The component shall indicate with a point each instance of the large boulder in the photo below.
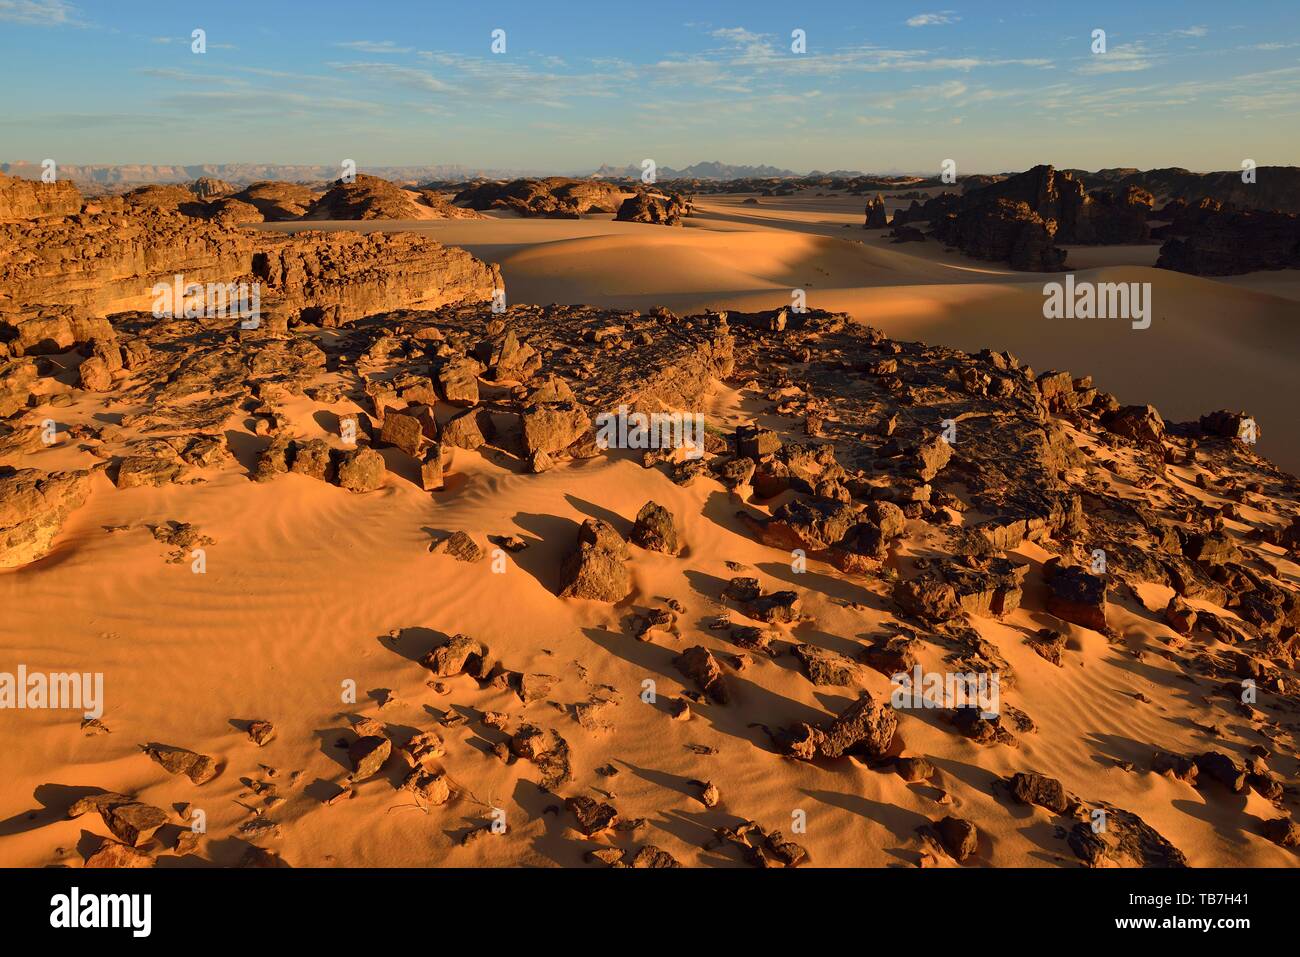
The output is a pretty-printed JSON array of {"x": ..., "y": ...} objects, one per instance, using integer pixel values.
[
  {"x": 361, "y": 470},
  {"x": 33, "y": 507},
  {"x": 654, "y": 208},
  {"x": 1076, "y": 596},
  {"x": 597, "y": 569},
  {"x": 654, "y": 529},
  {"x": 865, "y": 728},
  {"x": 553, "y": 426}
]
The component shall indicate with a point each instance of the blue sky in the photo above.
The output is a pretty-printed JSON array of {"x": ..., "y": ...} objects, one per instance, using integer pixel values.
[{"x": 882, "y": 86}]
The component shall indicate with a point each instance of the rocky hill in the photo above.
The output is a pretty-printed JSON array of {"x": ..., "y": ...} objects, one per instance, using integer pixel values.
[
  {"x": 1276, "y": 188},
  {"x": 1212, "y": 239},
  {"x": 23, "y": 199},
  {"x": 110, "y": 257},
  {"x": 555, "y": 197}
]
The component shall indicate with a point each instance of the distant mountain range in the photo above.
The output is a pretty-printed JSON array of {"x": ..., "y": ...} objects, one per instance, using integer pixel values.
[
  {"x": 242, "y": 174},
  {"x": 710, "y": 170}
]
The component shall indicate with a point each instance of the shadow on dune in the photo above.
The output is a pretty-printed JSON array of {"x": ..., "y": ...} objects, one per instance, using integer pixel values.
[{"x": 54, "y": 801}]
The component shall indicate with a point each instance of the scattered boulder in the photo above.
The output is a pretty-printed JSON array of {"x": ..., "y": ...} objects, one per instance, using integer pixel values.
[
  {"x": 865, "y": 727},
  {"x": 368, "y": 754},
  {"x": 1075, "y": 595},
  {"x": 1282, "y": 831},
  {"x": 33, "y": 507},
  {"x": 960, "y": 838},
  {"x": 545, "y": 749},
  {"x": 1125, "y": 841},
  {"x": 699, "y": 666},
  {"x": 592, "y": 816},
  {"x": 459, "y": 654},
  {"x": 115, "y": 855},
  {"x": 361, "y": 470},
  {"x": 1029, "y": 787},
  {"x": 553, "y": 426},
  {"x": 199, "y": 768},
  {"x": 597, "y": 570},
  {"x": 654, "y": 530},
  {"x": 460, "y": 546}
]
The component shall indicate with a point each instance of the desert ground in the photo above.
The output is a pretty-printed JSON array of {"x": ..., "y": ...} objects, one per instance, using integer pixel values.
[
  {"x": 308, "y": 587},
  {"x": 1237, "y": 332}
]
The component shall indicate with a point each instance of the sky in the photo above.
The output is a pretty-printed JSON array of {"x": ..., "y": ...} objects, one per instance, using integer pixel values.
[{"x": 881, "y": 87}]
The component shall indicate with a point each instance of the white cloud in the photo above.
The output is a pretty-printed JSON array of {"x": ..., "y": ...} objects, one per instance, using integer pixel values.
[
  {"x": 381, "y": 47},
  {"x": 1198, "y": 31},
  {"x": 1125, "y": 58},
  {"x": 932, "y": 19},
  {"x": 39, "y": 13},
  {"x": 749, "y": 44},
  {"x": 401, "y": 75}
]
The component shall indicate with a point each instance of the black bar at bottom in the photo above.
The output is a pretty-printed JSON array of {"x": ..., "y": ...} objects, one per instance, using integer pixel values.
[{"x": 347, "y": 907}]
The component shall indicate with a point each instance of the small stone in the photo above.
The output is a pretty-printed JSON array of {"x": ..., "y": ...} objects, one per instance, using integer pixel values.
[
  {"x": 914, "y": 769},
  {"x": 368, "y": 755},
  {"x": 593, "y": 817},
  {"x": 960, "y": 837},
  {"x": 460, "y": 546},
  {"x": 260, "y": 732}
]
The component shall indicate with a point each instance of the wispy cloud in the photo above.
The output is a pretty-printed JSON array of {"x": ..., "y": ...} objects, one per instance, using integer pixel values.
[
  {"x": 187, "y": 41},
  {"x": 39, "y": 13},
  {"x": 753, "y": 44},
  {"x": 378, "y": 47},
  {"x": 183, "y": 76},
  {"x": 932, "y": 19},
  {"x": 404, "y": 76},
  {"x": 266, "y": 103},
  {"x": 1198, "y": 31},
  {"x": 1125, "y": 58}
]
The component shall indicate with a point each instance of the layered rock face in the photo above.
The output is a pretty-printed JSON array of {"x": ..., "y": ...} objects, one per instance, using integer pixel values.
[
  {"x": 104, "y": 262},
  {"x": 337, "y": 277},
  {"x": 1223, "y": 241},
  {"x": 107, "y": 262},
  {"x": 33, "y": 507},
  {"x": 208, "y": 187},
  {"x": 1003, "y": 231},
  {"x": 1275, "y": 187},
  {"x": 23, "y": 199},
  {"x": 555, "y": 197},
  {"x": 930, "y": 211},
  {"x": 1019, "y": 219},
  {"x": 1112, "y": 217},
  {"x": 655, "y": 208}
]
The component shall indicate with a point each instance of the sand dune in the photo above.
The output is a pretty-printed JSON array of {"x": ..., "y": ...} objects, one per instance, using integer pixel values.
[
  {"x": 305, "y": 581},
  {"x": 1212, "y": 343},
  {"x": 310, "y": 589}
]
